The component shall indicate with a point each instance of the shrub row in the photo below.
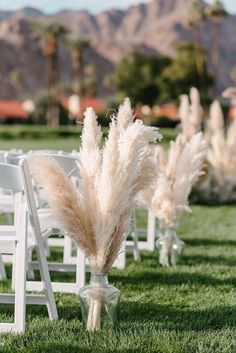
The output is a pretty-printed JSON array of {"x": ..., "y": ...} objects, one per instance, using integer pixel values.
[
  {"x": 30, "y": 132},
  {"x": 22, "y": 132}
]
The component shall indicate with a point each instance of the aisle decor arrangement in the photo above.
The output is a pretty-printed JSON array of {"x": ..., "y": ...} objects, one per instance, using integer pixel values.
[
  {"x": 97, "y": 215},
  {"x": 167, "y": 195},
  {"x": 190, "y": 113},
  {"x": 220, "y": 184}
]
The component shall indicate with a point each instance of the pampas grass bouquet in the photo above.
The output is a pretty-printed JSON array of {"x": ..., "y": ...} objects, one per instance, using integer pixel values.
[
  {"x": 175, "y": 173},
  {"x": 97, "y": 214}
]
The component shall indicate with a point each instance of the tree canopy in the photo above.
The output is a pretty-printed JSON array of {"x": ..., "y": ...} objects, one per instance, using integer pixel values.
[
  {"x": 186, "y": 70},
  {"x": 155, "y": 79},
  {"x": 216, "y": 11},
  {"x": 136, "y": 76}
]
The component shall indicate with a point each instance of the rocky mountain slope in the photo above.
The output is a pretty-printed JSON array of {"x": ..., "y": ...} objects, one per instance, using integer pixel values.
[{"x": 153, "y": 27}]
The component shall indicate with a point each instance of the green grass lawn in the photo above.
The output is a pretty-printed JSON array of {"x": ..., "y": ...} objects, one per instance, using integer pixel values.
[{"x": 187, "y": 309}]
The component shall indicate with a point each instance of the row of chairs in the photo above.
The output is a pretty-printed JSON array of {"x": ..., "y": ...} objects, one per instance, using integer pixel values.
[{"x": 15, "y": 240}]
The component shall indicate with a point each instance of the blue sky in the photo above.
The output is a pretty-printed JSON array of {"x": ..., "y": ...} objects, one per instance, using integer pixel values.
[{"x": 94, "y": 6}]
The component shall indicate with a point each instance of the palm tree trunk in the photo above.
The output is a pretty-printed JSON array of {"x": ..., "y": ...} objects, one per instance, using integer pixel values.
[
  {"x": 55, "y": 93},
  {"x": 198, "y": 61},
  {"x": 79, "y": 72},
  {"x": 50, "y": 71},
  {"x": 197, "y": 36},
  {"x": 52, "y": 77},
  {"x": 82, "y": 74},
  {"x": 216, "y": 53},
  {"x": 50, "y": 82}
]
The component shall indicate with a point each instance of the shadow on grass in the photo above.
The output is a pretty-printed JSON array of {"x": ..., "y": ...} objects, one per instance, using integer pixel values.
[
  {"x": 67, "y": 311},
  {"x": 169, "y": 279},
  {"x": 180, "y": 319},
  {"x": 193, "y": 260},
  {"x": 209, "y": 242},
  {"x": 75, "y": 348}
]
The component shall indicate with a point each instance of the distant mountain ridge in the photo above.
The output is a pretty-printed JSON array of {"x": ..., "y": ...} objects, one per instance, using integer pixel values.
[
  {"x": 25, "y": 12},
  {"x": 156, "y": 26}
]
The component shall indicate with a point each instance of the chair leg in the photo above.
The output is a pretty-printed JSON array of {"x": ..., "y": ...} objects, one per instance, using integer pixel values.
[
  {"x": 47, "y": 248},
  {"x": 80, "y": 269},
  {"x": 20, "y": 277},
  {"x": 134, "y": 235},
  {"x": 13, "y": 271},
  {"x": 3, "y": 274},
  {"x": 9, "y": 218},
  {"x": 45, "y": 277},
  {"x": 67, "y": 250},
  {"x": 136, "y": 252},
  {"x": 30, "y": 271},
  {"x": 151, "y": 231}
]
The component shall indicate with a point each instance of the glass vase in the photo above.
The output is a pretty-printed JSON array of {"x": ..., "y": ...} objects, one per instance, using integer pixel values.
[
  {"x": 169, "y": 246},
  {"x": 99, "y": 302}
]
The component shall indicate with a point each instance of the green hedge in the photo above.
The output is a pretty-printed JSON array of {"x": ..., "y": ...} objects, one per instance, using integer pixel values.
[
  {"x": 37, "y": 132},
  {"x": 29, "y": 132},
  {"x": 162, "y": 121},
  {"x": 9, "y": 132}
]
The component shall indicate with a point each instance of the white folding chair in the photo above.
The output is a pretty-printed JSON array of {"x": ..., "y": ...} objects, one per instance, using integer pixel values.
[
  {"x": 48, "y": 228},
  {"x": 6, "y": 199},
  {"x": 13, "y": 240}
]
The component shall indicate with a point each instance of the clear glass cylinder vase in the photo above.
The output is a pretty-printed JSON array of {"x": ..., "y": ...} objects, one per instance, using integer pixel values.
[
  {"x": 99, "y": 303},
  {"x": 169, "y": 245}
]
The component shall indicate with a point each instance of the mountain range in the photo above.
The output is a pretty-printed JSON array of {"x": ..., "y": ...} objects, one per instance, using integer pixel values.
[{"x": 154, "y": 27}]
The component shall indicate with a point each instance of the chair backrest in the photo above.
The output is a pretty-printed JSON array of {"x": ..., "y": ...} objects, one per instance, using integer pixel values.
[
  {"x": 11, "y": 178},
  {"x": 18, "y": 179},
  {"x": 47, "y": 152},
  {"x": 2, "y": 154},
  {"x": 30, "y": 198},
  {"x": 67, "y": 162},
  {"x": 13, "y": 157}
]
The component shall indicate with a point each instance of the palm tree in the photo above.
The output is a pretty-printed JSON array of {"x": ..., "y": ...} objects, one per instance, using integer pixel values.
[
  {"x": 196, "y": 16},
  {"x": 50, "y": 34},
  {"x": 78, "y": 47},
  {"x": 216, "y": 13},
  {"x": 91, "y": 73}
]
